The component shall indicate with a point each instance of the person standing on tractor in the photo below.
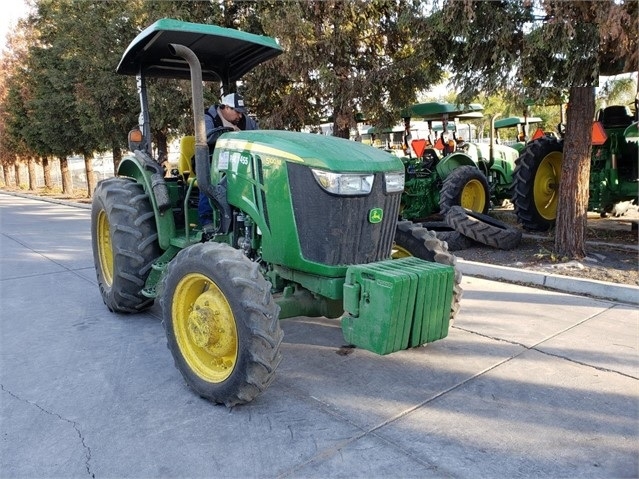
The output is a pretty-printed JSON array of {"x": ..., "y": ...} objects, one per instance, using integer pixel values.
[{"x": 230, "y": 113}]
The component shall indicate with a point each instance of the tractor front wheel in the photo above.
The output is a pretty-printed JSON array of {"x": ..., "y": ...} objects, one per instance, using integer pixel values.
[
  {"x": 221, "y": 323},
  {"x": 414, "y": 240},
  {"x": 465, "y": 186},
  {"x": 535, "y": 189},
  {"x": 125, "y": 243}
]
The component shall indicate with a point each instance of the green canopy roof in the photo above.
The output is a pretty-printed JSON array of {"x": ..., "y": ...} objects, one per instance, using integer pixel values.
[
  {"x": 225, "y": 54},
  {"x": 515, "y": 120},
  {"x": 377, "y": 131},
  {"x": 436, "y": 110}
]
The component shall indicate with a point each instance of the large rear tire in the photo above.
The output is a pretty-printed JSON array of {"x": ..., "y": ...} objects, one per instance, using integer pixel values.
[
  {"x": 483, "y": 228},
  {"x": 535, "y": 189},
  {"x": 221, "y": 323},
  {"x": 125, "y": 243},
  {"x": 465, "y": 186},
  {"x": 414, "y": 240}
]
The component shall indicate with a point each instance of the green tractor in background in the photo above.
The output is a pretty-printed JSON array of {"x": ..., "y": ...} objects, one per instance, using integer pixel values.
[
  {"x": 614, "y": 175},
  {"x": 305, "y": 226},
  {"x": 450, "y": 183}
]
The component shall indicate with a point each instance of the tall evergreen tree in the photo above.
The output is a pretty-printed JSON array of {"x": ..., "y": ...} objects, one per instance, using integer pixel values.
[{"x": 341, "y": 58}]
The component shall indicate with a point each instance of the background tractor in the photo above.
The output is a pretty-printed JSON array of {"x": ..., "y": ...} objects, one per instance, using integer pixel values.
[
  {"x": 304, "y": 225},
  {"x": 614, "y": 175},
  {"x": 448, "y": 171}
]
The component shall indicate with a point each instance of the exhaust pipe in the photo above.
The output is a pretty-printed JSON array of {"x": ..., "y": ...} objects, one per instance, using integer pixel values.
[{"x": 216, "y": 193}]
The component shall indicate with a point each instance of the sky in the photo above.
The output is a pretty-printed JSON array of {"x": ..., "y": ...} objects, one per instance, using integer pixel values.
[{"x": 12, "y": 10}]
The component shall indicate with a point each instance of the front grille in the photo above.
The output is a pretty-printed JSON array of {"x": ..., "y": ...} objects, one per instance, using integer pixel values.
[{"x": 335, "y": 230}]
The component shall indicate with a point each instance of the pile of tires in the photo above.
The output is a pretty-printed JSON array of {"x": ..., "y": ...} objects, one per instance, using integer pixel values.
[
  {"x": 483, "y": 228},
  {"x": 461, "y": 228}
]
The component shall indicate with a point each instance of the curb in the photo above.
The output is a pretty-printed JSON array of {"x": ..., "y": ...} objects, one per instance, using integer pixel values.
[{"x": 567, "y": 284}]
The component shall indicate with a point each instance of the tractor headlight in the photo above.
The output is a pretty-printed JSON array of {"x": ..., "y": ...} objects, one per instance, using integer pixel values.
[
  {"x": 344, "y": 183},
  {"x": 394, "y": 181}
]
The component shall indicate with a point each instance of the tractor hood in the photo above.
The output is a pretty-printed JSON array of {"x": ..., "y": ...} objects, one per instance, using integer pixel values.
[
  {"x": 316, "y": 151},
  {"x": 225, "y": 54}
]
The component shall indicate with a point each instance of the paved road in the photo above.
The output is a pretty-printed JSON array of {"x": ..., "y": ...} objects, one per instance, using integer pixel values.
[{"x": 529, "y": 383}]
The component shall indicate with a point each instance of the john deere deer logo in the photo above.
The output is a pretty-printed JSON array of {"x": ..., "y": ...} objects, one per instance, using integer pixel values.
[{"x": 375, "y": 215}]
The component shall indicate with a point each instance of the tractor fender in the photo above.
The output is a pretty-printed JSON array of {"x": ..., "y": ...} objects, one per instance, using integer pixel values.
[
  {"x": 632, "y": 132},
  {"x": 451, "y": 162},
  {"x": 145, "y": 173},
  {"x": 519, "y": 146}
]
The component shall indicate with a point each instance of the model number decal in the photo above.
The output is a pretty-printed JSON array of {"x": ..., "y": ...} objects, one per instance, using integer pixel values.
[{"x": 270, "y": 161}]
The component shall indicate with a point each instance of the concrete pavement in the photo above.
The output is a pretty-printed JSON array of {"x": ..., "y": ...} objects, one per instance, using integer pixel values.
[{"x": 529, "y": 383}]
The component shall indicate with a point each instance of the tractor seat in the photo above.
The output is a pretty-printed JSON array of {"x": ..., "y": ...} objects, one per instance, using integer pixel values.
[
  {"x": 187, "y": 152},
  {"x": 616, "y": 116}
]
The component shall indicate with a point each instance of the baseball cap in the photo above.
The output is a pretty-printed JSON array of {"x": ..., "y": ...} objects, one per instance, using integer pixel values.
[{"x": 235, "y": 101}]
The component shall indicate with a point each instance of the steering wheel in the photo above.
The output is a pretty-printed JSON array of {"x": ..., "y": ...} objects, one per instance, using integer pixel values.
[{"x": 215, "y": 133}]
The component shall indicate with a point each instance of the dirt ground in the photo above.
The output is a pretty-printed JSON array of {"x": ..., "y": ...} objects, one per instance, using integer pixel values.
[{"x": 611, "y": 246}]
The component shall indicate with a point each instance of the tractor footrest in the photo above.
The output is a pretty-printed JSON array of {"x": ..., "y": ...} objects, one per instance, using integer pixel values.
[{"x": 397, "y": 304}]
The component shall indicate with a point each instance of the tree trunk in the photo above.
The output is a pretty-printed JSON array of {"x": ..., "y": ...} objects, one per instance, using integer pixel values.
[
  {"x": 341, "y": 128},
  {"x": 572, "y": 210},
  {"x": 7, "y": 175},
  {"x": 33, "y": 179},
  {"x": 88, "y": 168},
  {"x": 117, "y": 158},
  {"x": 18, "y": 175},
  {"x": 161, "y": 143},
  {"x": 46, "y": 167},
  {"x": 67, "y": 183}
]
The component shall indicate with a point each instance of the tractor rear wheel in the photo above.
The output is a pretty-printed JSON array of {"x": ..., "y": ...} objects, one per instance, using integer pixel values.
[
  {"x": 221, "y": 323},
  {"x": 536, "y": 184},
  {"x": 414, "y": 240},
  {"x": 125, "y": 243},
  {"x": 483, "y": 228},
  {"x": 465, "y": 186}
]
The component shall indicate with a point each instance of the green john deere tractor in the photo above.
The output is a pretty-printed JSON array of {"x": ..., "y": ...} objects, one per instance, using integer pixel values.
[
  {"x": 304, "y": 226},
  {"x": 614, "y": 175},
  {"x": 459, "y": 181}
]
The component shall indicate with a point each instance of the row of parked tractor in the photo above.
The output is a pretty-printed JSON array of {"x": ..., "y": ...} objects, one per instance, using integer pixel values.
[{"x": 451, "y": 184}]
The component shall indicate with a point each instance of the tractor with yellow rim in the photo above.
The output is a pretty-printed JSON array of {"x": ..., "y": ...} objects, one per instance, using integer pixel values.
[{"x": 304, "y": 225}]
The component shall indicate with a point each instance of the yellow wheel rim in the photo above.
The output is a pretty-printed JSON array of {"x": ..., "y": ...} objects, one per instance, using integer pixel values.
[
  {"x": 546, "y": 186},
  {"x": 105, "y": 249},
  {"x": 473, "y": 197},
  {"x": 399, "y": 252},
  {"x": 204, "y": 328}
]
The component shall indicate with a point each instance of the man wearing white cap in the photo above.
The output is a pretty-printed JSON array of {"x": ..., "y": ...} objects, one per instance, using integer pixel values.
[{"x": 231, "y": 112}]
